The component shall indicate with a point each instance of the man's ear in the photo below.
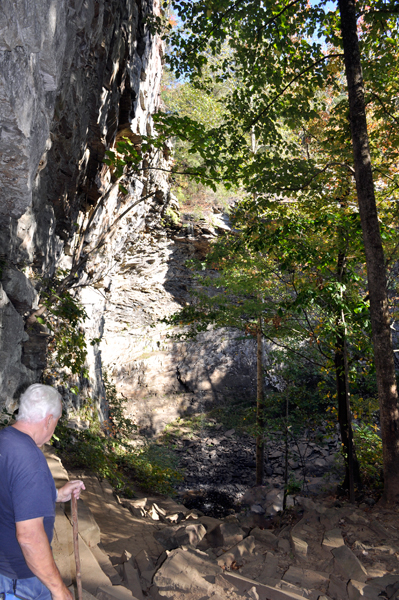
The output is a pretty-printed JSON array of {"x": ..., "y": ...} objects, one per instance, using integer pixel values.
[{"x": 49, "y": 419}]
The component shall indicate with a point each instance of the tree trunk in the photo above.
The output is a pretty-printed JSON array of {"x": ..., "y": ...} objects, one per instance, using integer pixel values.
[
  {"x": 260, "y": 420},
  {"x": 352, "y": 472},
  {"x": 286, "y": 453},
  {"x": 376, "y": 273}
]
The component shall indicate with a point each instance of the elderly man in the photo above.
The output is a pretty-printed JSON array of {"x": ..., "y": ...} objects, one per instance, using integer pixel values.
[{"x": 27, "y": 500}]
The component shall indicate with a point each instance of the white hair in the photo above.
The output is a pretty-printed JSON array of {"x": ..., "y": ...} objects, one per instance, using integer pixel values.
[{"x": 39, "y": 401}]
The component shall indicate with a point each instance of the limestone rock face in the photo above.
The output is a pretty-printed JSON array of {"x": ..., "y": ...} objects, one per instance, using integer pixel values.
[
  {"x": 73, "y": 75},
  {"x": 12, "y": 336}
]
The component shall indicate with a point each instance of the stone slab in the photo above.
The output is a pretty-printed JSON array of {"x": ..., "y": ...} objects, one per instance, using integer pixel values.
[
  {"x": 131, "y": 580},
  {"x": 333, "y": 539},
  {"x": 300, "y": 546},
  {"x": 209, "y": 523},
  {"x": 358, "y": 590},
  {"x": 106, "y": 565},
  {"x": 88, "y": 528},
  {"x": 143, "y": 561},
  {"x": 265, "y": 537},
  {"x": 337, "y": 588},
  {"x": 114, "y": 592},
  {"x": 298, "y": 540},
  {"x": 306, "y": 578},
  {"x": 241, "y": 552},
  {"x": 85, "y": 594},
  {"x": 92, "y": 574},
  {"x": 270, "y": 569},
  {"x": 348, "y": 565},
  {"x": 265, "y": 592},
  {"x": 185, "y": 571},
  {"x": 225, "y": 536}
]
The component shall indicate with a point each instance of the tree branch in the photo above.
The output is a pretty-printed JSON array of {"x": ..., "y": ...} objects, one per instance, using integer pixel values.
[
  {"x": 376, "y": 96},
  {"x": 313, "y": 362},
  {"x": 309, "y": 68}
]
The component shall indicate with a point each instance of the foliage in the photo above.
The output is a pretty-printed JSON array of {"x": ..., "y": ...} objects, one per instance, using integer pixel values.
[
  {"x": 5, "y": 418},
  {"x": 117, "y": 424},
  {"x": 116, "y": 460},
  {"x": 64, "y": 318},
  {"x": 369, "y": 452},
  {"x": 172, "y": 215},
  {"x": 107, "y": 449}
]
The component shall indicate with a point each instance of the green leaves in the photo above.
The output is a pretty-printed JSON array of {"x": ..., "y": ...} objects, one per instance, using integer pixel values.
[{"x": 65, "y": 317}]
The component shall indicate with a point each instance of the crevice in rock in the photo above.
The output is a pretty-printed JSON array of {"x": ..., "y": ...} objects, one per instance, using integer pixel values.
[{"x": 183, "y": 383}]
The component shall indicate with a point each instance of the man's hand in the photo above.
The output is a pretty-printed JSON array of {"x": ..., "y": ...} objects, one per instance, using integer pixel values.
[
  {"x": 72, "y": 487},
  {"x": 65, "y": 594},
  {"x": 36, "y": 549}
]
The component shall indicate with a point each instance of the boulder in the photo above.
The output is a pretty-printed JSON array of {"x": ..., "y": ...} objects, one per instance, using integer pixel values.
[
  {"x": 114, "y": 592},
  {"x": 239, "y": 553},
  {"x": 131, "y": 579},
  {"x": 264, "y": 536},
  {"x": 358, "y": 590},
  {"x": 136, "y": 507},
  {"x": 306, "y": 578},
  {"x": 190, "y": 535},
  {"x": 348, "y": 565},
  {"x": 143, "y": 561},
  {"x": 174, "y": 518},
  {"x": 306, "y": 503},
  {"x": 333, "y": 539},
  {"x": 265, "y": 592},
  {"x": 257, "y": 509},
  {"x": 337, "y": 588},
  {"x": 166, "y": 537},
  {"x": 186, "y": 570},
  {"x": 255, "y": 495},
  {"x": 274, "y": 502},
  {"x": 299, "y": 544},
  {"x": 181, "y": 535},
  {"x": 225, "y": 535}
]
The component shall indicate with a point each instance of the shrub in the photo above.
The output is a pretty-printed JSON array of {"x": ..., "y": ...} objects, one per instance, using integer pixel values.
[
  {"x": 369, "y": 453},
  {"x": 107, "y": 449}
]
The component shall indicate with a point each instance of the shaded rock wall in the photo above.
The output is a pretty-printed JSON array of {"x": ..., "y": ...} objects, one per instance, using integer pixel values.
[{"x": 72, "y": 74}]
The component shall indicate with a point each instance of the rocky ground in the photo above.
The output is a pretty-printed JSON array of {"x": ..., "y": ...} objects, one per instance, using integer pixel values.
[
  {"x": 223, "y": 462},
  {"x": 152, "y": 547}
]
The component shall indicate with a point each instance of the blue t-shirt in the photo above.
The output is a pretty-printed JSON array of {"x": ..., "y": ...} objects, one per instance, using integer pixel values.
[{"x": 27, "y": 491}]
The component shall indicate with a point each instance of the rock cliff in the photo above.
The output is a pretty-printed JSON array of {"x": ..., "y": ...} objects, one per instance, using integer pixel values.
[
  {"x": 76, "y": 76},
  {"x": 73, "y": 75}
]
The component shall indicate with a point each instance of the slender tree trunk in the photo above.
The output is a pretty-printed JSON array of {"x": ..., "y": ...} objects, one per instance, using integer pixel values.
[
  {"x": 260, "y": 419},
  {"x": 352, "y": 472},
  {"x": 376, "y": 273},
  {"x": 286, "y": 453}
]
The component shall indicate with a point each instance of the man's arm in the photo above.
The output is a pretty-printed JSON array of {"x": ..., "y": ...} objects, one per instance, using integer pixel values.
[{"x": 37, "y": 552}]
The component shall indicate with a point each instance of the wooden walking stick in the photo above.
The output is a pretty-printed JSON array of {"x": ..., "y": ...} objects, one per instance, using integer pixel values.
[{"x": 74, "y": 506}]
